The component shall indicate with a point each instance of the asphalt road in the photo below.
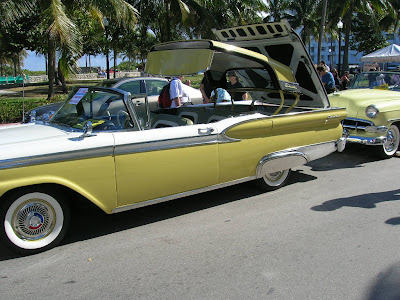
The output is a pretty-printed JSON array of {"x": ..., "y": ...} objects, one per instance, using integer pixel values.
[{"x": 331, "y": 233}]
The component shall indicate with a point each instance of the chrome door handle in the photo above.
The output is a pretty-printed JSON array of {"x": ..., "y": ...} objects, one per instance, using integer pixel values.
[{"x": 206, "y": 130}]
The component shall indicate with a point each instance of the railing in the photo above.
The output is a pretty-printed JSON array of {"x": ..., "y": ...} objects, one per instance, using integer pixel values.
[
  {"x": 43, "y": 78},
  {"x": 13, "y": 80}
]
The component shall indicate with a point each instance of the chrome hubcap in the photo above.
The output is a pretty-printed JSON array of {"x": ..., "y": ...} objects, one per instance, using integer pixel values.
[
  {"x": 391, "y": 141},
  {"x": 33, "y": 220},
  {"x": 274, "y": 176}
]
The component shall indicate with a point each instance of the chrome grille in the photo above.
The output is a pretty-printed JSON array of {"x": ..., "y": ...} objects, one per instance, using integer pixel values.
[{"x": 356, "y": 124}]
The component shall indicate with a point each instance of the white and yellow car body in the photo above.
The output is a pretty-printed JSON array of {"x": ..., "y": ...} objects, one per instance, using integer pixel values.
[{"x": 119, "y": 155}]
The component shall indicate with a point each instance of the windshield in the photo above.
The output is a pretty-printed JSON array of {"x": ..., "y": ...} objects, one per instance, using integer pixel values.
[
  {"x": 376, "y": 80},
  {"x": 106, "y": 110}
]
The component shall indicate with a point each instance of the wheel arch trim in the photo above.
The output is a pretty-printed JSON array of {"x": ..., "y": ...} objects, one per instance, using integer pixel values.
[
  {"x": 7, "y": 187},
  {"x": 280, "y": 161}
]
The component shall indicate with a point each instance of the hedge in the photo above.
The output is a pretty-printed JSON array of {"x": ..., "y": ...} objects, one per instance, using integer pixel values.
[{"x": 11, "y": 109}]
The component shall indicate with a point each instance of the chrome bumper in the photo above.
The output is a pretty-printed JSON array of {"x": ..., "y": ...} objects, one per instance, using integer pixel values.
[{"x": 380, "y": 140}]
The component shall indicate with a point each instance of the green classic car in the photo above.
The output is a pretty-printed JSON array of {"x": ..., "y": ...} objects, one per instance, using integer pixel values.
[{"x": 372, "y": 101}]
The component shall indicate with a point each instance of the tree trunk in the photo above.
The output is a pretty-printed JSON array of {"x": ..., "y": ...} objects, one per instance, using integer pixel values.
[
  {"x": 167, "y": 4},
  {"x": 51, "y": 67},
  {"x": 347, "y": 25},
  {"x": 15, "y": 64},
  {"x": 322, "y": 28},
  {"x": 115, "y": 62},
  {"x": 62, "y": 80}
]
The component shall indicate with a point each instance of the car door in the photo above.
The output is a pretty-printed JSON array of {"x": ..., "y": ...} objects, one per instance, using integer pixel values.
[{"x": 160, "y": 162}]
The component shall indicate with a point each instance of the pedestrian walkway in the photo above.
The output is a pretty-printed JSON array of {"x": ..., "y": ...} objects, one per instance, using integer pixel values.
[{"x": 3, "y": 92}]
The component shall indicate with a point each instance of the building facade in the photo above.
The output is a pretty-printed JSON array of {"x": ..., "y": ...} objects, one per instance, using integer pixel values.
[{"x": 330, "y": 51}]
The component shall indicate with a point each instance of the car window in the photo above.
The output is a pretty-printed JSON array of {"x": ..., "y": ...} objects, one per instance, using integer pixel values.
[
  {"x": 154, "y": 87},
  {"x": 131, "y": 86}
]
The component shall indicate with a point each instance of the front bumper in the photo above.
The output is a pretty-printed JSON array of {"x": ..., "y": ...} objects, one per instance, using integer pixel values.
[
  {"x": 364, "y": 132},
  {"x": 380, "y": 140}
]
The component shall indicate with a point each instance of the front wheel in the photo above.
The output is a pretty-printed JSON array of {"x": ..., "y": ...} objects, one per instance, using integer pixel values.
[
  {"x": 392, "y": 143},
  {"x": 33, "y": 221},
  {"x": 273, "y": 181}
]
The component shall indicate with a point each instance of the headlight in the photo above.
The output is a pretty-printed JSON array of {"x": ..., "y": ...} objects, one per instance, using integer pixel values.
[{"x": 371, "y": 111}]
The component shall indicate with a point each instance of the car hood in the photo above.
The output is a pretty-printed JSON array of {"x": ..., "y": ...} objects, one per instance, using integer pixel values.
[
  {"x": 355, "y": 101},
  {"x": 18, "y": 141},
  {"x": 28, "y": 132}
]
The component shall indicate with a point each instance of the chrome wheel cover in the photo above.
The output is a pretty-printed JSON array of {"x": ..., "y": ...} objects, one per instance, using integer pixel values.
[
  {"x": 392, "y": 142},
  {"x": 274, "y": 176},
  {"x": 33, "y": 220},
  {"x": 276, "y": 179}
]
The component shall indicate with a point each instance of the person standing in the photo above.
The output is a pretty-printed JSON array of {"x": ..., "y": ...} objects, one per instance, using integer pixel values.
[
  {"x": 344, "y": 80},
  {"x": 206, "y": 87},
  {"x": 327, "y": 79},
  {"x": 235, "y": 84},
  {"x": 322, "y": 63},
  {"x": 177, "y": 93},
  {"x": 336, "y": 77}
]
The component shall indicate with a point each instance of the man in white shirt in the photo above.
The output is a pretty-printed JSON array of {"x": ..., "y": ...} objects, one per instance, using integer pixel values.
[{"x": 177, "y": 93}]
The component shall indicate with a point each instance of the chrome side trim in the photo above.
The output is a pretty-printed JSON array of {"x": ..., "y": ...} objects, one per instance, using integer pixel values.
[
  {"x": 181, "y": 195},
  {"x": 166, "y": 144},
  {"x": 110, "y": 151},
  {"x": 282, "y": 116},
  {"x": 56, "y": 157},
  {"x": 394, "y": 120}
]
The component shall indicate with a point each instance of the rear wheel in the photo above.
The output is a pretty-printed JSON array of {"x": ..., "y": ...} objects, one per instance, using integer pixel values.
[
  {"x": 33, "y": 221},
  {"x": 392, "y": 144},
  {"x": 273, "y": 181}
]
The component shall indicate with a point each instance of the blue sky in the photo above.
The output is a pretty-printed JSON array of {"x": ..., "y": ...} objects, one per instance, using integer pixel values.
[{"x": 37, "y": 63}]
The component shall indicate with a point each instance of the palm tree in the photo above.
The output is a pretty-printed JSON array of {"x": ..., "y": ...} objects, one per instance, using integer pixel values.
[
  {"x": 366, "y": 6},
  {"x": 278, "y": 9},
  {"x": 303, "y": 13},
  {"x": 62, "y": 33},
  {"x": 322, "y": 28}
]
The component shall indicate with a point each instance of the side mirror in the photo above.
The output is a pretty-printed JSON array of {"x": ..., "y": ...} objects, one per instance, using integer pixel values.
[{"x": 87, "y": 129}]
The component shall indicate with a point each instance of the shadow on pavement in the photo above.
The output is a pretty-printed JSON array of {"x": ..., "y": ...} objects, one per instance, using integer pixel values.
[
  {"x": 393, "y": 221},
  {"x": 354, "y": 156},
  {"x": 363, "y": 201},
  {"x": 386, "y": 285},
  {"x": 88, "y": 221}
]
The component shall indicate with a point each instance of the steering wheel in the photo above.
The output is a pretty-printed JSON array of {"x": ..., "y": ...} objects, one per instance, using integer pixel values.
[{"x": 119, "y": 114}]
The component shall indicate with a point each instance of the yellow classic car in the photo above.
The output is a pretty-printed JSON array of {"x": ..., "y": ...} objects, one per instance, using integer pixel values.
[
  {"x": 372, "y": 101},
  {"x": 107, "y": 146}
]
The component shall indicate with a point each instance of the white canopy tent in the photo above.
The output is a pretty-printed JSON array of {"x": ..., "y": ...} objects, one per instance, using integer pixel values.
[{"x": 388, "y": 54}]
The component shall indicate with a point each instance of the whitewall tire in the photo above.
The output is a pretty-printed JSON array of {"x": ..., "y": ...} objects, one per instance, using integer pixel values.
[
  {"x": 273, "y": 181},
  {"x": 33, "y": 221}
]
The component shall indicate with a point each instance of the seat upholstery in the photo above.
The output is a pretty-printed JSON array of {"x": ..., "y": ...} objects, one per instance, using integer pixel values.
[{"x": 165, "y": 120}]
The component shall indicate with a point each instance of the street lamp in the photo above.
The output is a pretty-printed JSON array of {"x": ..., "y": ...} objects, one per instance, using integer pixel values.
[
  {"x": 106, "y": 23},
  {"x": 340, "y": 26}
]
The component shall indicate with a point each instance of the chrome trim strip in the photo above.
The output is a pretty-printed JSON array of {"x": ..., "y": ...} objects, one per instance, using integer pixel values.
[
  {"x": 359, "y": 120},
  {"x": 110, "y": 151},
  {"x": 166, "y": 144},
  {"x": 280, "y": 116},
  {"x": 56, "y": 157},
  {"x": 181, "y": 195},
  {"x": 394, "y": 120}
]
